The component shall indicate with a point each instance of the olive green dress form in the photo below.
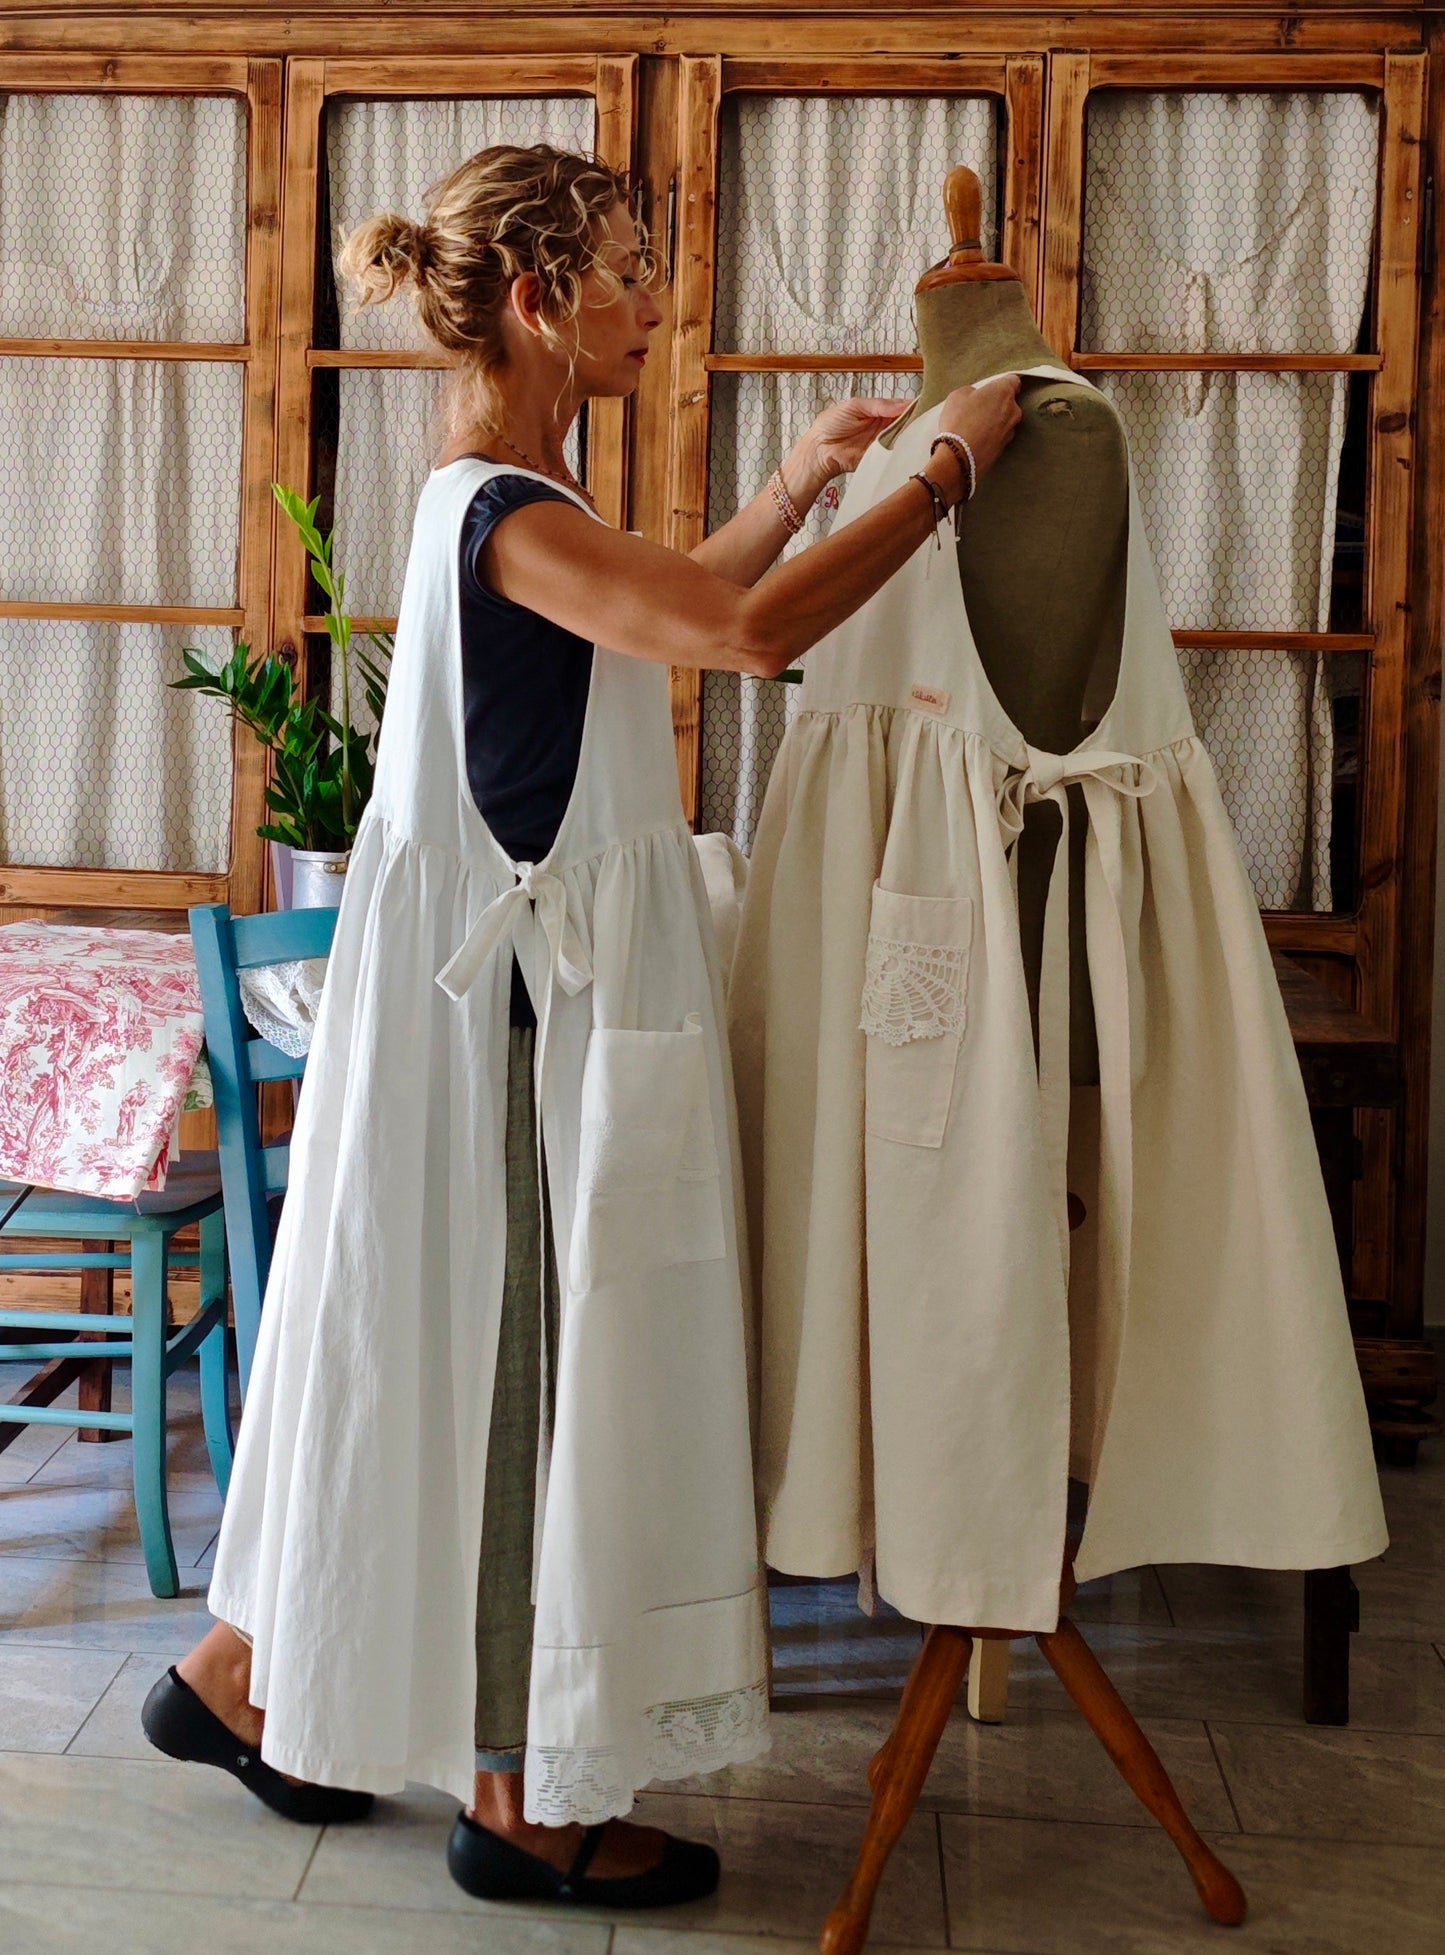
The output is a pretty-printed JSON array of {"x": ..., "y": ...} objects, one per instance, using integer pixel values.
[{"x": 1042, "y": 561}]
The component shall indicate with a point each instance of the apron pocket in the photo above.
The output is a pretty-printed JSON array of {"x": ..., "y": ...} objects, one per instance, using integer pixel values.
[
  {"x": 915, "y": 1002},
  {"x": 649, "y": 1195}
]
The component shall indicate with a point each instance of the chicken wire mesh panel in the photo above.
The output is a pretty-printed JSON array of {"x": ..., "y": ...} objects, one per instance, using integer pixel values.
[
  {"x": 830, "y": 207},
  {"x": 756, "y": 418},
  {"x": 1240, "y": 223},
  {"x": 1237, "y": 477},
  {"x": 391, "y": 427},
  {"x": 120, "y": 481},
  {"x": 122, "y": 217},
  {"x": 386, "y": 155},
  {"x": 102, "y": 766},
  {"x": 1227, "y": 222}
]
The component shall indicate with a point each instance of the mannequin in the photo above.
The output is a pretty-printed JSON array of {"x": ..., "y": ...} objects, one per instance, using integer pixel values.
[
  {"x": 1041, "y": 558},
  {"x": 1043, "y": 565}
]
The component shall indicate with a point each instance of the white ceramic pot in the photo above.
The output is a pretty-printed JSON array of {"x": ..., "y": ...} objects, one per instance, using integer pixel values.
[{"x": 317, "y": 878}]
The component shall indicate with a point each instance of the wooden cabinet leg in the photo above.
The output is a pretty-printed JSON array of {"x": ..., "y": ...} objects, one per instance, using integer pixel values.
[
  {"x": 1137, "y": 1762},
  {"x": 988, "y": 1679},
  {"x": 1331, "y": 1604},
  {"x": 897, "y": 1777}
]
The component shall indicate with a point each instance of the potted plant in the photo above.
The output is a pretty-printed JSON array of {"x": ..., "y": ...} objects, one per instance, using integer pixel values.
[{"x": 321, "y": 767}]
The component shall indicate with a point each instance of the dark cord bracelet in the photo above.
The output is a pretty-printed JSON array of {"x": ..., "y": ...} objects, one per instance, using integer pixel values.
[{"x": 939, "y": 501}]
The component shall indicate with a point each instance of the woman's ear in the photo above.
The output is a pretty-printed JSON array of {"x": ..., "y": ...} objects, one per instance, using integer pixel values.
[{"x": 525, "y": 298}]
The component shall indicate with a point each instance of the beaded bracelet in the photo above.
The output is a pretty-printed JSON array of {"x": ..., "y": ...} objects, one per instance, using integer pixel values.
[
  {"x": 787, "y": 509},
  {"x": 965, "y": 454}
]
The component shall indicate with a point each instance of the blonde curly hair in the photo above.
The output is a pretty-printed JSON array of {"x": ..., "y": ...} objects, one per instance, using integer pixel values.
[{"x": 505, "y": 211}]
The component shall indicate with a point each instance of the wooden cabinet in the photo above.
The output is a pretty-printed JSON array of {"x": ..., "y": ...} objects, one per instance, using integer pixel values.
[{"x": 672, "y": 86}]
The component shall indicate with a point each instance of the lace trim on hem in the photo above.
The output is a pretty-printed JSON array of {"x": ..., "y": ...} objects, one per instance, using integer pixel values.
[
  {"x": 590, "y": 1784},
  {"x": 912, "y": 991}
]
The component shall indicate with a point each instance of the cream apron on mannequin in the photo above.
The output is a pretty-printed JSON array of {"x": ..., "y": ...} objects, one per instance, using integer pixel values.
[
  {"x": 931, "y": 1368},
  {"x": 350, "y": 1546}
]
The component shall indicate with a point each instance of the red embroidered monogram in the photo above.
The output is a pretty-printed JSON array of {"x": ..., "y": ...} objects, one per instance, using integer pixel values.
[{"x": 929, "y": 697}]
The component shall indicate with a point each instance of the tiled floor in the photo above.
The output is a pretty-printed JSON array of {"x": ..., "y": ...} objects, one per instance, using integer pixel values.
[{"x": 1026, "y": 1843}]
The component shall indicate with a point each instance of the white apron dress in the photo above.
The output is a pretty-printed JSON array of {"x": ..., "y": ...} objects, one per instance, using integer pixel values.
[
  {"x": 350, "y": 1547},
  {"x": 930, "y": 1369}
]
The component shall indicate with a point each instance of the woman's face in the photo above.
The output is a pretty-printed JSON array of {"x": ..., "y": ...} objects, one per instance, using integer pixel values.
[{"x": 615, "y": 320}]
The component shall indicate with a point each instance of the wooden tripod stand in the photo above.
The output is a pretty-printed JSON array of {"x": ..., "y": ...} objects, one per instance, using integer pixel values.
[{"x": 897, "y": 1774}]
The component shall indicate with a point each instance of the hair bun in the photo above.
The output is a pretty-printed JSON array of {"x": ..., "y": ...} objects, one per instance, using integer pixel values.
[{"x": 382, "y": 255}]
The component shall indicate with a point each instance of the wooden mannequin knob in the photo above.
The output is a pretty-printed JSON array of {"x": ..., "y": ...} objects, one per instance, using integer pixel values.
[
  {"x": 963, "y": 203},
  {"x": 963, "y": 207}
]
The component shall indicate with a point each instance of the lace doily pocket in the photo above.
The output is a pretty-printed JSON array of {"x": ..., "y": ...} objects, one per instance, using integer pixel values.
[
  {"x": 915, "y": 1007},
  {"x": 649, "y": 1193}
]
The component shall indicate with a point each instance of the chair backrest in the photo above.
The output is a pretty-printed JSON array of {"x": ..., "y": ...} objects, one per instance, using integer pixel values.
[{"x": 241, "y": 1060}]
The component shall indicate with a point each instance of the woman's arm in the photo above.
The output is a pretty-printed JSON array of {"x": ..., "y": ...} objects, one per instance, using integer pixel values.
[
  {"x": 638, "y": 598},
  {"x": 751, "y": 542},
  {"x": 753, "y": 539}
]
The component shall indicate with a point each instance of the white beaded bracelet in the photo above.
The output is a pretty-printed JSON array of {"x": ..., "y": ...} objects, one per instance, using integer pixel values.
[{"x": 965, "y": 454}]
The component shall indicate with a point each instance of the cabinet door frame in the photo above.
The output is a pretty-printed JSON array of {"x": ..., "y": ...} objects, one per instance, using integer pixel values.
[
  {"x": 1368, "y": 934},
  {"x": 311, "y": 84},
  {"x": 258, "y": 82},
  {"x": 1017, "y": 81}
]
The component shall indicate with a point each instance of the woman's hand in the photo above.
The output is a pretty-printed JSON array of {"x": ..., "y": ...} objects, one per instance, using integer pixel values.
[
  {"x": 841, "y": 435},
  {"x": 985, "y": 416}
]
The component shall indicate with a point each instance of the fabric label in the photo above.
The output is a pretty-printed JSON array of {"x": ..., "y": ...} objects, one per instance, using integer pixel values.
[{"x": 929, "y": 697}]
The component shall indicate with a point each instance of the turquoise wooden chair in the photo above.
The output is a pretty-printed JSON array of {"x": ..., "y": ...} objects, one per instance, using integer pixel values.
[
  {"x": 148, "y": 1226},
  {"x": 252, "y": 1176}
]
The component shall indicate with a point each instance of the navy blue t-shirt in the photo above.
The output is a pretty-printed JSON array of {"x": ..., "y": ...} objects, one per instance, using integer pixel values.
[{"x": 525, "y": 683}]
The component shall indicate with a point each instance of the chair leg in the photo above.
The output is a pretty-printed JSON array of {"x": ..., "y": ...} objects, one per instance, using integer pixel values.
[
  {"x": 148, "y": 1410},
  {"x": 1138, "y": 1764},
  {"x": 988, "y": 1679},
  {"x": 97, "y": 1295},
  {"x": 215, "y": 1384},
  {"x": 897, "y": 1778},
  {"x": 1331, "y": 1612},
  {"x": 246, "y": 1298}
]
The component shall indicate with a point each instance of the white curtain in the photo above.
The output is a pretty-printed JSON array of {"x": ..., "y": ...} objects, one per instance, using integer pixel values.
[
  {"x": 1240, "y": 223},
  {"x": 121, "y": 217},
  {"x": 829, "y": 209},
  {"x": 386, "y": 155}
]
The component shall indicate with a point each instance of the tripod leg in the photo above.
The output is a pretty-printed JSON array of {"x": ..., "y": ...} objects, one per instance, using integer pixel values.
[
  {"x": 897, "y": 1777},
  {"x": 1137, "y": 1762}
]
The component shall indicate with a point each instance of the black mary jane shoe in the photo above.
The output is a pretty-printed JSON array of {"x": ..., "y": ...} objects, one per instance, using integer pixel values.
[
  {"x": 179, "y": 1724},
  {"x": 483, "y": 1864}
]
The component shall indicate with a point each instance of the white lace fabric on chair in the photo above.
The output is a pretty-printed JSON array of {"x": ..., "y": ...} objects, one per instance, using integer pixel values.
[
  {"x": 912, "y": 991},
  {"x": 281, "y": 1000}
]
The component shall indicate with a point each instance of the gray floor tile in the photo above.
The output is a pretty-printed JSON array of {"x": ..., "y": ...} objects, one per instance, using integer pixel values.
[
  {"x": 161, "y": 1827},
  {"x": 397, "y": 1858},
  {"x": 1039, "y": 1764},
  {"x": 823, "y": 1644},
  {"x": 1035, "y": 1888},
  {"x": 1354, "y": 1785},
  {"x": 29, "y": 1450},
  {"x": 113, "y": 1728},
  {"x": 1205, "y": 1596},
  {"x": 59, "y": 1516},
  {"x": 60, "y": 1921},
  {"x": 97, "y": 1605},
  {"x": 47, "y": 1694},
  {"x": 784, "y": 1866},
  {"x": 1136, "y": 1595},
  {"x": 1244, "y": 1674},
  {"x": 629, "y": 1940},
  {"x": 1403, "y": 1593}
]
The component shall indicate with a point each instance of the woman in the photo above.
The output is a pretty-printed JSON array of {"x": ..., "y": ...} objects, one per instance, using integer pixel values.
[{"x": 491, "y": 1521}]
